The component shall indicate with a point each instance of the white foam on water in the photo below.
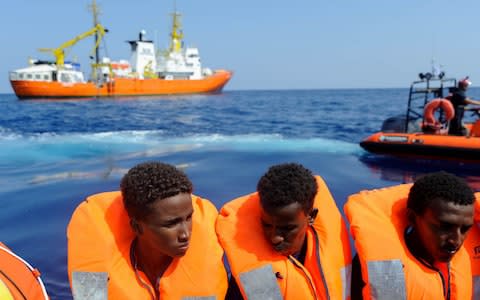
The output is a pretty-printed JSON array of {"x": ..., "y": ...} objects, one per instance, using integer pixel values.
[{"x": 48, "y": 147}]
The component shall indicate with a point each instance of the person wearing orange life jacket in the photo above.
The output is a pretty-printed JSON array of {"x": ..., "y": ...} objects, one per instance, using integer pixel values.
[
  {"x": 152, "y": 240},
  {"x": 288, "y": 240},
  {"x": 472, "y": 244},
  {"x": 409, "y": 240},
  {"x": 18, "y": 279}
]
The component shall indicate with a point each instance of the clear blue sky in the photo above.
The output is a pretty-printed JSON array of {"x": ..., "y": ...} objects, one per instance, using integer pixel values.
[{"x": 268, "y": 44}]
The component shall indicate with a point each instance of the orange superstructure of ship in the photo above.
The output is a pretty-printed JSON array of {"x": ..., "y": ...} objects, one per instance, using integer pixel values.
[{"x": 177, "y": 70}]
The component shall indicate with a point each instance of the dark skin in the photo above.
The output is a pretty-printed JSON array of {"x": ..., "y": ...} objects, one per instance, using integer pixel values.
[
  {"x": 285, "y": 227},
  {"x": 439, "y": 232},
  {"x": 163, "y": 235}
]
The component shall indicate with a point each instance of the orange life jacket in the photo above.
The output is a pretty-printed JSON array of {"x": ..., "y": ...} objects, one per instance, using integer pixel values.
[
  {"x": 472, "y": 244},
  {"x": 378, "y": 221},
  {"x": 18, "y": 279},
  {"x": 99, "y": 240},
  {"x": 263, "y": 273}
]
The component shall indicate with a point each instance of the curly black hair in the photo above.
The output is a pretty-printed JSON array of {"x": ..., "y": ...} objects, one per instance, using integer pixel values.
[
  {"x": 438, "y": 186},
  {"x": 285, "y": 184},
  {"x": 148, "y": 182}
]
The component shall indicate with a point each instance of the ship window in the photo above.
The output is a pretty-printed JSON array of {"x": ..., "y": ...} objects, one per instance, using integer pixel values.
[
  {"x": 65, "y": 78},
  {"x": 29, "y": 76},
  {"x": 46, "y": 77},
  {"x": 20, "y": 75},
  {"x": 78, "y": 78},
  {"x": 37, "y": 76}
]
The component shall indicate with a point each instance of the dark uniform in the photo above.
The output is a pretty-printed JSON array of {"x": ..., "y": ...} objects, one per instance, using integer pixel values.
[{"x": 458, "y": 99}]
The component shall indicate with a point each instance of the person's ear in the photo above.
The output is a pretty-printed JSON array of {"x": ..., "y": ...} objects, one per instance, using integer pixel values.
[
  {"x": 135, "y": 226},
  {"x": 313, "y": 214}
]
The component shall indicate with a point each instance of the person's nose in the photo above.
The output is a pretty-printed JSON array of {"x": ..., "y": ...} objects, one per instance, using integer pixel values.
[
  {"x": 184, "y": 232},
  {"x": 276, "y": 238},
  {"x": 456, "y": 238}
]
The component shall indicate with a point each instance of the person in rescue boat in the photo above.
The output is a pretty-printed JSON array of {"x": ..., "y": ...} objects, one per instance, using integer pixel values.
[
  {"x": 459, "y": 100},
  {"x": 152, "y": 240},
  {"x": 288, "y": 240},
  {"x": 412, "y": 248}
]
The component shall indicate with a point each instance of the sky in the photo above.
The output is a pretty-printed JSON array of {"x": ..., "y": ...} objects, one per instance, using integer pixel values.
[{"x": 303, "y": 44}]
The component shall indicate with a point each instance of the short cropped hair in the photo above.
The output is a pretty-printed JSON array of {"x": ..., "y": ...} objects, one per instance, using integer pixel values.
[
  {"x": 148, "y": 182},
  {"x": 285, "y": 184},
  {"x": 439, "y": 186}
]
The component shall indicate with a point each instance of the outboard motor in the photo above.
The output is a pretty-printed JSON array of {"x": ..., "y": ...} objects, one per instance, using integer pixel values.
[{"x": 397, "y": 124}]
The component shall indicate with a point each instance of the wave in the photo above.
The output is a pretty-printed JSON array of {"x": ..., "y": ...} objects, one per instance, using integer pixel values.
[
  {"x": 46, "y": 158},
  {"x": 49, "y": 147},
  {"x": 53, "y": 147}
]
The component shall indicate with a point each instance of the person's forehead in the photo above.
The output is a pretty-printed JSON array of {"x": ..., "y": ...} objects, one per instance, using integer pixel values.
[
  {"x": 447, "y": 210},
  {"x": 285, "y": 213},
  {"x": 177, "y": 205}
]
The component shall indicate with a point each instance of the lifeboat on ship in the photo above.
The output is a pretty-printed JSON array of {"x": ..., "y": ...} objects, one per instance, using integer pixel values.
[
  {"x": 149, "y": 72},
  {"x": 423, "y": 131}
]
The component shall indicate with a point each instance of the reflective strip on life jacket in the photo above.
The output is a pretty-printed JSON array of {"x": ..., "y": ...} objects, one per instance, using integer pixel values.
[
  {"x": 89, "y": 285},
  {"x": 261, "y": 283},
  {"x": 346, "y": 273},
  {"x": 476, "y": 287},
  {"x": 386, "y": 279}
]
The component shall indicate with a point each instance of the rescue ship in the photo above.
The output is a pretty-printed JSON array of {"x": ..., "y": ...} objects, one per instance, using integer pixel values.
[
  {"x": 423, "y": 131},
  {"x": 177, "y": 70}
]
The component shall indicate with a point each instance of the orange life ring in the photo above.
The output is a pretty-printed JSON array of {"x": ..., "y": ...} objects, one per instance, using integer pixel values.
[
  {"x": 18, "y": 278},
  {"x": 433, "y": 106}
]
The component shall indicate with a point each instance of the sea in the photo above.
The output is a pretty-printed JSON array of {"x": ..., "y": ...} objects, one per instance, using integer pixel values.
[{"x": 55, "y": 153}]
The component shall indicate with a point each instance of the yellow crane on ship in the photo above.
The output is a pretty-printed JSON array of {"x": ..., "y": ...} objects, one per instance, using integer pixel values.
[
  {"x": 59, "y": 52},
  {"x": 177, "y": 34}
]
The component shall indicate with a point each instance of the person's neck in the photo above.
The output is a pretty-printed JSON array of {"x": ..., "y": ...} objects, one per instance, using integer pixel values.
[
  {"x": 416, "y": 248},
  {"x": 151, "y": 263},
  {"x": 301, "y": 254}
]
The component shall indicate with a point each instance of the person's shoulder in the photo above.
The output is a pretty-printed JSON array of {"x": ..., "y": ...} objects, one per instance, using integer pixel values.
[
  {"x": 205, "y": 205},
  {"x": 101, "y": 203},
  {"x": 236, "y": 203},
  {"x": 104, "y": 195}
]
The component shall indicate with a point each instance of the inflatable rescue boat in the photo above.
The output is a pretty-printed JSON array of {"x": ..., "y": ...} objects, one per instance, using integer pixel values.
[{"x": 423, "y": 130}]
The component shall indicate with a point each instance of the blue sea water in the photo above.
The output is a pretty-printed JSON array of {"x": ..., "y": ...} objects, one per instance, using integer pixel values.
[{"x": 54, "y": 153}]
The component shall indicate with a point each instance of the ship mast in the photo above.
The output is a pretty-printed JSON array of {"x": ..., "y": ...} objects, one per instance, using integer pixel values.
[
  {"x": 177, "y": 34},
  {"x": 95, "y": 12}
]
